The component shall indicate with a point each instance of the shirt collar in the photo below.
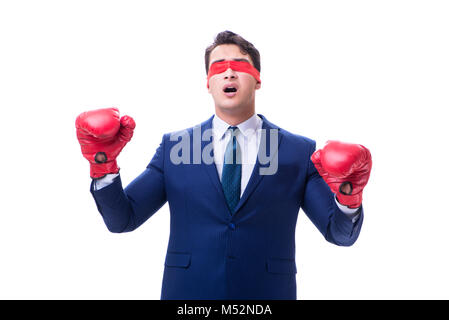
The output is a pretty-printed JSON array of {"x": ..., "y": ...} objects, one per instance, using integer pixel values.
[{"x": 247, "y": 127}]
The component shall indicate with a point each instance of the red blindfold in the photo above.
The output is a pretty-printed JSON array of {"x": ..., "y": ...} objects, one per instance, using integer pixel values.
[{"x": 241, "y": 66}]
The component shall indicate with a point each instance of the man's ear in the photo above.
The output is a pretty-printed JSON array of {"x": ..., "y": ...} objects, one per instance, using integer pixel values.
[{"x": 258, "y": 85}]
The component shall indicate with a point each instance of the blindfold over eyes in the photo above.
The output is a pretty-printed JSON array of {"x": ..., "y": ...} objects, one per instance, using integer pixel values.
[{"x": 241, "y": 66}]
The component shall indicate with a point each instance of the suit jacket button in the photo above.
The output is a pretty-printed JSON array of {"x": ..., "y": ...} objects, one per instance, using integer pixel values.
[{"x": 231, "y": 226}]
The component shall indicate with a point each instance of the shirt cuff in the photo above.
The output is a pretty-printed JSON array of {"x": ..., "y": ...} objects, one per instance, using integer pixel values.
[
  {"x": 351, "y": 213},
  {"x": 105, "y": 181}
]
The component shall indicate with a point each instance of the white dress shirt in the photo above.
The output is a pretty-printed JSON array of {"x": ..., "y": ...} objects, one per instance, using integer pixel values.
[{"x": 248, "y": 137}]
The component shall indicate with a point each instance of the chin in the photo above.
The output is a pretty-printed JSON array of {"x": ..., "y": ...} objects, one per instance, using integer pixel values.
[
  {"x": 229, "y": 107},
  {"x": 234, "y": 102}
]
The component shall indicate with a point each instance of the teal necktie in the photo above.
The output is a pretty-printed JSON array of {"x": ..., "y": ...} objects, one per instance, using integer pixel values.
[{"x": 232, "y": 171}]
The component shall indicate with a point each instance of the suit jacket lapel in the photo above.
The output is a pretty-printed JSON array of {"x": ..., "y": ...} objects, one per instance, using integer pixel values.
[
  {"x": 211, "y": 168},
  {"x": 256, "y": 177}
]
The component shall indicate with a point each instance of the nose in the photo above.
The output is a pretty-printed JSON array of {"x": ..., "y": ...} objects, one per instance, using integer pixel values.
[{"x": 230, "y": 74}]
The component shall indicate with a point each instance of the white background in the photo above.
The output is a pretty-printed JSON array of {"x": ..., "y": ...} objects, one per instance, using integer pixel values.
[{"x": 369, "y": 72}]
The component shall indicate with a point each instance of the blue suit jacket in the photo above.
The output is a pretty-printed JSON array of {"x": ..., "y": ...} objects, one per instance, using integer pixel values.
[{"x": 213, "y": 253}]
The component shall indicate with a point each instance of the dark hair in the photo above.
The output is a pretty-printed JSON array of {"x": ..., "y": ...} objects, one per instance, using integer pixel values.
[{"x": 228, "y": 37}]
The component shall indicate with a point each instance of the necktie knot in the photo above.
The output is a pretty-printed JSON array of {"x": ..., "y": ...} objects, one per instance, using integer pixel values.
[{"x": 234, "y": 130}]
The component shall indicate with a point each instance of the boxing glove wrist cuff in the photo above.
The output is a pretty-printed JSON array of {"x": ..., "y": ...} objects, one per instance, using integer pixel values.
[
  {"x": 352, "y": 201},
  {"x": 99, "y": 170}
]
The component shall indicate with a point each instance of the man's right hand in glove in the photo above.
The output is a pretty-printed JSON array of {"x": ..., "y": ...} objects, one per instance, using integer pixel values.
[{"x": 102, "y": 134}]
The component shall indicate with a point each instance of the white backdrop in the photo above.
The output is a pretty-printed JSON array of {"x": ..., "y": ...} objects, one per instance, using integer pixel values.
[{"x": 369, "y": 72}]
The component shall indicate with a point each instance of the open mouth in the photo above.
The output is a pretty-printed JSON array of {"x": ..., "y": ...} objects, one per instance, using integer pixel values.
[{"x": 230, "y": 90}]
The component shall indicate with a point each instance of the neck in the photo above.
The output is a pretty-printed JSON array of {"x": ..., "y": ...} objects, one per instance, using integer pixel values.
[{"x": 234, "y": 117}]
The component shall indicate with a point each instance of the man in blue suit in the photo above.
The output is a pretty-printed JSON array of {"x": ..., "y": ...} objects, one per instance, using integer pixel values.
[{"x": 234, "y": 184}]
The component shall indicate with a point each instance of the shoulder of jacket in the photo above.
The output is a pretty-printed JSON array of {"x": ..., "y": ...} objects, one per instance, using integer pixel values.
[{"x": 297, "y": 138}]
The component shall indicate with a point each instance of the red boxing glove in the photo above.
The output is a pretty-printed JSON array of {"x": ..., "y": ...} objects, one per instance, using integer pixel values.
[
  {"x": 346, "y": 168},
  {"x": 102, "y": 134}
]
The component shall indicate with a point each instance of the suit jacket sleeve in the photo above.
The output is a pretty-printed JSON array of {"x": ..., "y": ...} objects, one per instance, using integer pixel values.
[
  {"x": 126, "y": 209},
  {"x": 319, "y": 205}
]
